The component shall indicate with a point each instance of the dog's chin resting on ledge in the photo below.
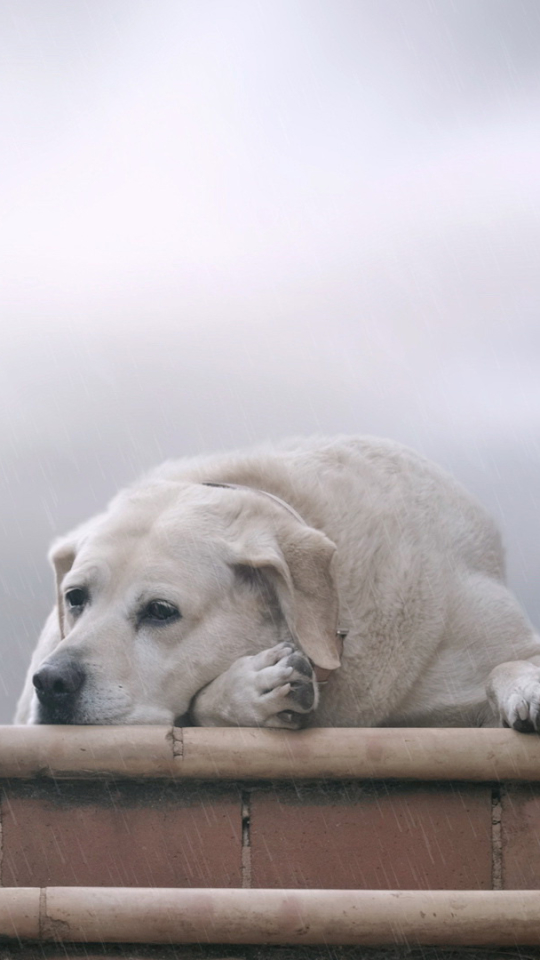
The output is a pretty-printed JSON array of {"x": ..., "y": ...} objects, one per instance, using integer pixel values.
[{"x": 345, "y": 582}]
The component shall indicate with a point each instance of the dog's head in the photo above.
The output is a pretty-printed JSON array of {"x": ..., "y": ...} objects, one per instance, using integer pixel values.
[{"x": 161, "y": 594}]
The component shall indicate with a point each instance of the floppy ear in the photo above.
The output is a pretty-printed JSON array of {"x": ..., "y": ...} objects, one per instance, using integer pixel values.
[
  {"x": 299, "y": 563},
  {"x": 62, "y": 557}
]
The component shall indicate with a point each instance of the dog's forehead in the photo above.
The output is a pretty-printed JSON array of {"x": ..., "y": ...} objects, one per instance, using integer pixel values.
[
  {"x": 154, "y": 526},
  {"x": 164, "y": 503}
]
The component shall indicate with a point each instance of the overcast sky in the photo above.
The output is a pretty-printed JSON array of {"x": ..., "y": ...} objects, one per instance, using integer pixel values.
[{"x": 225, "y": 221}]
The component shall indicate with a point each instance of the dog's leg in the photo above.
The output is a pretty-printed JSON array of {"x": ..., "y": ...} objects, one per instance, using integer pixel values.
[
  {"x": 487, "y": 637},
  {"x": 493, "y": 624},
  {"x": 275, "y": 688},
  {"x": 485, "y": 626}
]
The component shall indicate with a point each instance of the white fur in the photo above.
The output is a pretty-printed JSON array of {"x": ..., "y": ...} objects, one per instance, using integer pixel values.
[{"x": 414, "y": 561}]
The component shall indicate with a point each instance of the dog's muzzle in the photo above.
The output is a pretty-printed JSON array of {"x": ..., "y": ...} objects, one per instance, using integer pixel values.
[{"x": 57, "y": 685}]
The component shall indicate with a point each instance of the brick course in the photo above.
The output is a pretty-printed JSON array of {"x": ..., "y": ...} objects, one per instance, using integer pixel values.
[
  {"x": 128, "y": 834},
  {"x": 327, "y": 834},
  {"x": 521, "y": 836},
  {"x": 382, "y": 836}
]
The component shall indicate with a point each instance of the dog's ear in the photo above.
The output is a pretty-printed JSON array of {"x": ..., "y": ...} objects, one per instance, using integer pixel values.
[
  {"x": 62, "y": 557},
  {"x": 299, "y": 562}
]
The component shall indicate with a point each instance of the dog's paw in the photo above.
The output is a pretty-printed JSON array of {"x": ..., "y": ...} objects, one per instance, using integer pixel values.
[
  {"x": 517, "y": 701},
  {"x": 274, "y": 688},
  {"x": 286, "y": 686}
]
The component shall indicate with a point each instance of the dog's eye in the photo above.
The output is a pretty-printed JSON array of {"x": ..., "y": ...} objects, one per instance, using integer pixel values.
[
  {"x": 160, "y": 610},
  {"x": 76, "y": 599}
]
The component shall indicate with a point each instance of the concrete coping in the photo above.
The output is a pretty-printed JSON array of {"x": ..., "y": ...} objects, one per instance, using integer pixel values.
[
  {"x": 363, "y": 917},
  {"x": 210, "y": 753}
]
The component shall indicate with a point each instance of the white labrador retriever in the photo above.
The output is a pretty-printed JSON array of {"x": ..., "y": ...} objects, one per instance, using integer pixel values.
[{"x": 333, "y": 583}]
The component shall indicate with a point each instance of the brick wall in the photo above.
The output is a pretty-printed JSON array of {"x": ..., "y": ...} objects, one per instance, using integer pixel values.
[
  {"x": 324, "y": 834},
  {"x": 368, "y": 835}
]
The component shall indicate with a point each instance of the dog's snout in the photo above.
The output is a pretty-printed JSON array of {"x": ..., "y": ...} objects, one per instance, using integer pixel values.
[{"x": 58, "y": 683}]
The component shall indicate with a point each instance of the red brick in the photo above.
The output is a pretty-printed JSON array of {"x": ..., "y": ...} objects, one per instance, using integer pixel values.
[
  {"x": 404, "y": 837},
  {"x": 101, "y": 835},
  {"x": 521, "y": 837}
]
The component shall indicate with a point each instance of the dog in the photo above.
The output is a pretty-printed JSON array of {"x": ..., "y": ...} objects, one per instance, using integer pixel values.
[{"x": 344, "y": 582}]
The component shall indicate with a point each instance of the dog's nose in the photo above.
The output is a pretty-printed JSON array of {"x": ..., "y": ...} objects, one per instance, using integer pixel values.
[{"x": 57, "y": 683}]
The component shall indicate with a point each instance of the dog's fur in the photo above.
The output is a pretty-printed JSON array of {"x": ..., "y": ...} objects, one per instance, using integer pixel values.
[{"x": 392, "y": 549}]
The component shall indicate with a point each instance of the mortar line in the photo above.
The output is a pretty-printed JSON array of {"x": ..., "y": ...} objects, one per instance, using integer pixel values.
[
  {"x": 42, "y": 914},
  {"x": 177, "y": 739},
  {"x": 245, "y": 801},
  {"x": 496, "y": 837},
  {"x": 1, "y": 839}
]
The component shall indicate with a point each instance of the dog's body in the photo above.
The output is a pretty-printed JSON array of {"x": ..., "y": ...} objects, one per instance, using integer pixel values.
[{"x": 186, "y": 596}]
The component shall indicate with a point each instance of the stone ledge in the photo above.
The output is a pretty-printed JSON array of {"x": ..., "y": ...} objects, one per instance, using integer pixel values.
[
  {"x": 246, "y": 753},
  {"x": 272, "y": 917}
]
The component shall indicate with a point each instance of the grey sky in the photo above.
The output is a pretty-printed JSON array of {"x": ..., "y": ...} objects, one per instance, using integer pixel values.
[{"x": 228, "y": 221}]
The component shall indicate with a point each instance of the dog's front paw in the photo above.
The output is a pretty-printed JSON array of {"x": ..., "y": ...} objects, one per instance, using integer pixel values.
[
  {"x": 514, "y": 694},
  {"x": 274, "y": 688},
  {"x": 286, "y": 686}
]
